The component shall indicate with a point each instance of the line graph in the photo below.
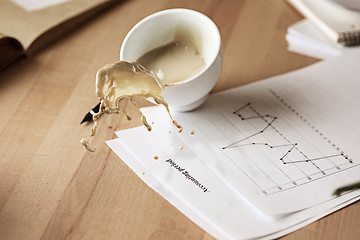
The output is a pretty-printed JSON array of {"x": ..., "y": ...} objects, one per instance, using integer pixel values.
[
  {"x": 270, "y": 143},
  {"x": 265, "y": 137},
  {"x": 268, "y": 122}
]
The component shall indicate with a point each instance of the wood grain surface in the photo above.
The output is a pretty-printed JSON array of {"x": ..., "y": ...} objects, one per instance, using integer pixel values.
[{"x": 51, "y": 188}]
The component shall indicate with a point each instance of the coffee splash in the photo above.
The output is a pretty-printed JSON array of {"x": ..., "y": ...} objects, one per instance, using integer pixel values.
[
  {"x": 164, "y": 66},
  {"x": 124, "y": 80}
]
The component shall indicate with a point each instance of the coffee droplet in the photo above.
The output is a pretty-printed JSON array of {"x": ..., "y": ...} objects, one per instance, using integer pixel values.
[
  {"x": 192, "y": 132},
  {"x": 156, "y": 157},
  {"x": 181, "y": 147}
]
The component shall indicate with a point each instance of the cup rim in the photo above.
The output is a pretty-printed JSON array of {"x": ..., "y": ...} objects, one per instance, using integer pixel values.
[{"x": 170, "y": 11}]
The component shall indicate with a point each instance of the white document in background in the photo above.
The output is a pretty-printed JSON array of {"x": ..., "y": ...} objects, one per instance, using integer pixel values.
[
  {"x": 305, "y": 38},
  {"x": 34, "y": 5},
  {"x": 338, "y": 23}
]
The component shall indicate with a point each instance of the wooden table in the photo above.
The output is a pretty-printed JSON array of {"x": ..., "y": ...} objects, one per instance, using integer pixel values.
[{"x": 51, "y": 188}]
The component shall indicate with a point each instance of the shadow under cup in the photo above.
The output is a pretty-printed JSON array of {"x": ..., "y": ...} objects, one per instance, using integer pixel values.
[{"x": 159, "y": 29}]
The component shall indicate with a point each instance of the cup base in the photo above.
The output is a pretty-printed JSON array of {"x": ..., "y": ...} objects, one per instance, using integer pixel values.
[{"x": 191, "y": 106}]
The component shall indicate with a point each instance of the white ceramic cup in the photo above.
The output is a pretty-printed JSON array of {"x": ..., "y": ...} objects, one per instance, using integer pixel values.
[{"x": 158, "y": 29}]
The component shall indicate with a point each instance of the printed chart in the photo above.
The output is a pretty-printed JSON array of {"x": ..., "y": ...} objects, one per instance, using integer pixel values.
[{"x": 282, "y": 149}]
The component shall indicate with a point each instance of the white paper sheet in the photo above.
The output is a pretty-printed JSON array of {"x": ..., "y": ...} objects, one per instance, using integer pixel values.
[
  {"x": 220, "y": 211},
  {"x": 34, "y": 5},
  {"x": 316, "y": 120},
  {"x": 305, "y": 38}
]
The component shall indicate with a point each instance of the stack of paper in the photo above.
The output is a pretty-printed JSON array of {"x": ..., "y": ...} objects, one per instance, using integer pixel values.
[
  {"x": 340, "y": 24},
  {"x": 304, "y": 38},
  {"x": 328, "y": 27},
  {"x": 268, "y": 154}
]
